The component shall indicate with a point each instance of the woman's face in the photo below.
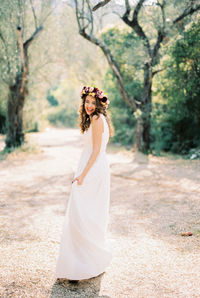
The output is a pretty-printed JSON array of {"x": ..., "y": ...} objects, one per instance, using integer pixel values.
[{"x": 90, "y": 104}]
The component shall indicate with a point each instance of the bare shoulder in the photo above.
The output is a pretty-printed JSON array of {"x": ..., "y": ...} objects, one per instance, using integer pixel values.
[
  {"x": 96, "y": 119},
  {"x": 97, "y": 122}
]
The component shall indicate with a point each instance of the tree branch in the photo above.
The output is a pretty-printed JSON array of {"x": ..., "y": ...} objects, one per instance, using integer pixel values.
[
  {"x": 114, "y": 67},
  {"x": 34, "y": 14},
  {"x": 186, "y": 12},
  {"x": 91, "y": 17},
  {"x": 156, "y": 48},
  {"x": 137, "y": 9},
  {"x": 33, "y": 36},
  {"x": 20, "y": 44},
  {"x": 162, "y": 7},
  {"x": 161, "y": 32},
  {"x": 100, "y": 4},
  {"x": 81, "y": 17},
  {"x": 48, "y": 14},
  {"x": 128, "y": 8},
  {"x": 135, "y": 25},
  {"x": 126, "y": 15},
  {"x": 111, "y": 61},
  {"x": 24, "y": 69},
  {"x": 157, "y": 71},
  {"x": 77, "y": 15}
]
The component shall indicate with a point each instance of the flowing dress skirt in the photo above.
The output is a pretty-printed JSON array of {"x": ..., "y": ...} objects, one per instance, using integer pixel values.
[{"x": 84, "y": 252}]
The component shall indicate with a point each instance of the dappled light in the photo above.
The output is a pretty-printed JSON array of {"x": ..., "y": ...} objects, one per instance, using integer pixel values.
[{"x": 152, "y": 203}]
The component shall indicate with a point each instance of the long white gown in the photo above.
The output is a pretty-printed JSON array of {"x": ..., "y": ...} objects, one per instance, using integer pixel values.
[{"x": 84, "y": 251}]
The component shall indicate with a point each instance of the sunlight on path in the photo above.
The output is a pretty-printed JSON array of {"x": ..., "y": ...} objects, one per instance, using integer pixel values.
[{"x": 152, "y": 201}]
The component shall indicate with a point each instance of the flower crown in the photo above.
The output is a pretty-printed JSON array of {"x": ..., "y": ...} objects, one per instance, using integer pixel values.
[{"x": 95, "y": 92}]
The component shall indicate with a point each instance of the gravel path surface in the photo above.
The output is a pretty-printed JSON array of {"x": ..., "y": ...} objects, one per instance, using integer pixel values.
[{"x": 153, "y": 200}]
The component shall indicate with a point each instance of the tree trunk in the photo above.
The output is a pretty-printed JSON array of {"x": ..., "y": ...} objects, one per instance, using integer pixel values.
[
  {"x": 15, "y": 133},
  {"x": 139, "y": 143},
  {"x": 143, "y": 126},
  {"x": 16, "y": 99}
]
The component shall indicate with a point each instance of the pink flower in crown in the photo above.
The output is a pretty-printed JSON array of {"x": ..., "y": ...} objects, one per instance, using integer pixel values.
[
  {"x": 98, "y": 93},
  {"x": 91, "y": 89},
  {"x": 101, "y": 95},
  {"x": 83, "y": 92}
]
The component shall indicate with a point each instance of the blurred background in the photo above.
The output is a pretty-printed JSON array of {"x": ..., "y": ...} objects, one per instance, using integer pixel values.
[
  {"x": 45, "y": 62},
  {"x": 145, "y": 55}
]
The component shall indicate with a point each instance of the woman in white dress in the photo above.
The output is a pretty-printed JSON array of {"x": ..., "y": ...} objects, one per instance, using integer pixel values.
[{"x": 83, "y": 248}]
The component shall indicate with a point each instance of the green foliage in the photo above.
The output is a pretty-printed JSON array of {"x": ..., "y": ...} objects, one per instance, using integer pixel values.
[
  {"x": 63, "y": 117},
  {"x": 65, "y": 113},
  {"x": 127, "y": 50},
  {"x": 122, "y": 115},
  {"x": 51, "y": 99},
  {"x": 125, "y": 47},
  {"x": 13, "y": 152},
  {"x": 176, "y": 114}
]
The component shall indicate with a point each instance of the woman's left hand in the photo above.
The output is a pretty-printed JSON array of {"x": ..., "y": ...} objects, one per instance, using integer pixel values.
[{"x": 79, "y": 180}]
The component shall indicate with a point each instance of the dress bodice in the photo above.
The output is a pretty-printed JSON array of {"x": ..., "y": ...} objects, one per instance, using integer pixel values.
[{"x": 105, "y": 136}]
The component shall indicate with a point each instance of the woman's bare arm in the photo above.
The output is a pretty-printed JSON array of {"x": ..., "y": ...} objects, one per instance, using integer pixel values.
[{"x": 97, "y": 130}]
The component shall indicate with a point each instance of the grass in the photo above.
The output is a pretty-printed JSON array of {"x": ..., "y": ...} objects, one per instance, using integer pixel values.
[{"x": 22, "y": 151}]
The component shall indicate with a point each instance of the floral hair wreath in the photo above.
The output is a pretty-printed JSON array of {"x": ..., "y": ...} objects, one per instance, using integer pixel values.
[{"x": 95, "y": 92}]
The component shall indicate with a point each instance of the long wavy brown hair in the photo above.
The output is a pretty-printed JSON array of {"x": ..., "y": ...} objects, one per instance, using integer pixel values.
[{"x": 85, "y": 119}]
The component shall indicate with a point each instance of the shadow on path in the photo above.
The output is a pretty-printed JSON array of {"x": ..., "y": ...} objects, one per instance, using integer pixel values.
[{"x": 84, "y": 288}]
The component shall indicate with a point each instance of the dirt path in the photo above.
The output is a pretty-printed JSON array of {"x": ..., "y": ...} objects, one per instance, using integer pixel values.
[{"x": 152, "y": 201}]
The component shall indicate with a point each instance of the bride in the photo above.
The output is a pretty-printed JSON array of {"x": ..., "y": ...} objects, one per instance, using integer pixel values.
[{"x": 83, "y": 249}]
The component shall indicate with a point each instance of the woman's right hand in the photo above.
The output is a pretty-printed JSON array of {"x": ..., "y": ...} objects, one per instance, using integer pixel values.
[{"x": 79, "y": 180}]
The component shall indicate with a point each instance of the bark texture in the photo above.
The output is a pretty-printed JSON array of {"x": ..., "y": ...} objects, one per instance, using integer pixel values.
[{"x": 17, "y": 94}]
